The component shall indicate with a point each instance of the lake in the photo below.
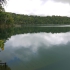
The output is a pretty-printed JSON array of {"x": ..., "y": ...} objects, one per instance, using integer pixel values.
[{"x": 37, "y": 48}]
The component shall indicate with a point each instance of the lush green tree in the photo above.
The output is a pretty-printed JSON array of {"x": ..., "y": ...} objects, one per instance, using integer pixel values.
[
  {"x": 1, "y": 44},
  {"x": 25, "y": 20},
  {"x": 6, "y": 20}
]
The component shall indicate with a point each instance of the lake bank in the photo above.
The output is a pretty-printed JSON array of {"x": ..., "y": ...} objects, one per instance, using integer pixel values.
[{"x": 41, "y": 25}]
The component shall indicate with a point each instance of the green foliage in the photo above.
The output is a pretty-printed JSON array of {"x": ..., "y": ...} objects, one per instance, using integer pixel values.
[
  {"x": 2, "y": 44},
  {"x": 6, "y": 20},
  {"x": 39, "y": 20},
  {"x": 9, "y": 19},
  {"x": 2, "y": 18}
]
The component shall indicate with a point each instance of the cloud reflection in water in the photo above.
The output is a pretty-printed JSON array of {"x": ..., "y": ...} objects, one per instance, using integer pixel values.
[{"x": 38, "y": 48}]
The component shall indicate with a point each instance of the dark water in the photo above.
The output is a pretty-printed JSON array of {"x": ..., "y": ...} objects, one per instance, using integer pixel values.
[{"x": 37, "y": 48}]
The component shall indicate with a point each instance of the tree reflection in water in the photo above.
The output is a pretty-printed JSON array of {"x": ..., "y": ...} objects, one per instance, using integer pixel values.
[
  {"x": 2, "y": 45},
  {"x": 4, "y": 67}
]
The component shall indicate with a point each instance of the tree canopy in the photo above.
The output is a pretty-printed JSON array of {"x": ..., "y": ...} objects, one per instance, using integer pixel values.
[{"x": 26, "y": 20}]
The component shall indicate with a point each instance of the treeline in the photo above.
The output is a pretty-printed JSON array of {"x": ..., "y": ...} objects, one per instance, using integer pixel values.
[
  {"x": 8, "y": 19},
  {"x": 37, "y": 20}
]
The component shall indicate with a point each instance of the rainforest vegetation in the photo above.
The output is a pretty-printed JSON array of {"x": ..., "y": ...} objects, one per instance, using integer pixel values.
[
  {"x": 4, "y": 22},
  {"x": 25, "y": 20},
  {"x": 39, "y": 20},
  {"x": 9, "y": 20}
]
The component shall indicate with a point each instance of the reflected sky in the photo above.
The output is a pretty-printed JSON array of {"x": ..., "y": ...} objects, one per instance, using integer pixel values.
[{"x": 37, "y": 51}]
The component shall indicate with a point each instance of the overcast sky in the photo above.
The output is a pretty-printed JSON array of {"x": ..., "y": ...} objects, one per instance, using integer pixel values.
[{"x": 39, "y": 7}]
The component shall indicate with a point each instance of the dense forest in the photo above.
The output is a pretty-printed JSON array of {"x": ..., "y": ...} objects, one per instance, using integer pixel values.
[
  {"x": 8, "y": 19},
  {"x": 37, "y": 20},
  {"x": 3, "y": 23}
]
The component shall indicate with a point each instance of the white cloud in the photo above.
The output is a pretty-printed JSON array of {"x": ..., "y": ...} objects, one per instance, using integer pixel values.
[
  {"x": 34, "y": 41},
  {"x": 28, "y": 46},
  {"x": 63, "y": 1},
  {"x": 37, "y": 7}
]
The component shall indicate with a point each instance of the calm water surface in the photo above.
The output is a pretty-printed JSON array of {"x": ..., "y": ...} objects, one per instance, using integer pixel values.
[{"x": 37, "y": 51}]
